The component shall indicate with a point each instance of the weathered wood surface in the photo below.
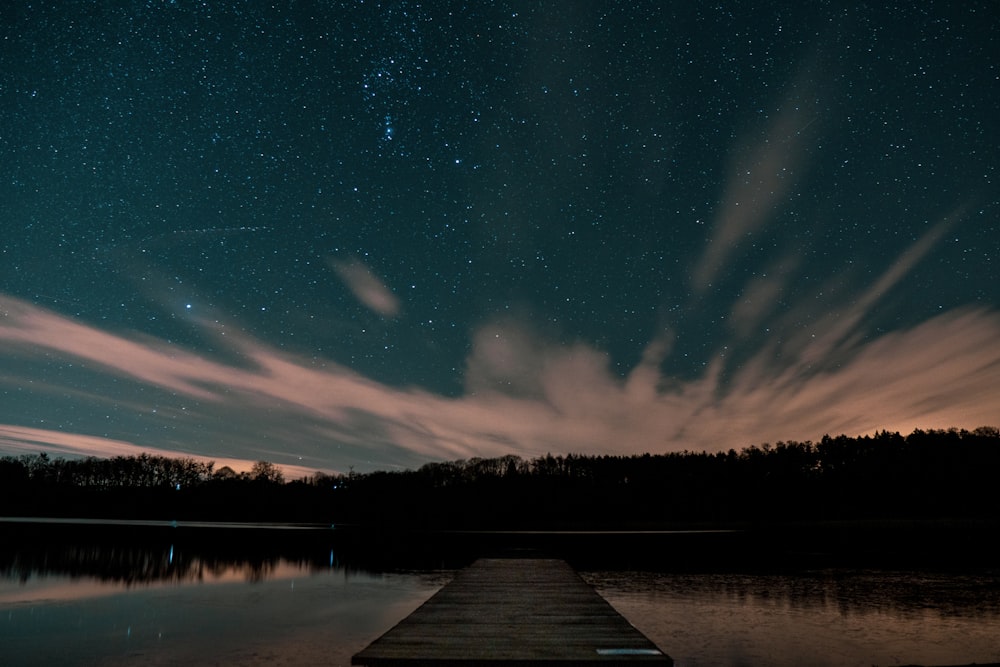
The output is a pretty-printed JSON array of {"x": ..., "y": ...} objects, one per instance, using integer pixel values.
[{"x": 526, "y": 611}]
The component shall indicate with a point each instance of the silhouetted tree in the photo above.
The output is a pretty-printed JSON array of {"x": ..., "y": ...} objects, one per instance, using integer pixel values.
[{"x": 265, "y": 471}]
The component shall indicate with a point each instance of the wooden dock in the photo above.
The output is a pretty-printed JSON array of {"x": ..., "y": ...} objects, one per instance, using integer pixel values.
[{"x": 516, "y": 611}]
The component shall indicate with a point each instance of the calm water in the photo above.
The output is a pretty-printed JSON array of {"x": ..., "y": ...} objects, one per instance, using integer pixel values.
[
  {"x": 832, "y": 617},
  {"x": 153, "y": 596}
]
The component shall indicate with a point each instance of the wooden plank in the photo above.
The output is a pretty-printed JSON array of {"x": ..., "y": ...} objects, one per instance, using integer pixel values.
[{"x": 517, "y": 611}]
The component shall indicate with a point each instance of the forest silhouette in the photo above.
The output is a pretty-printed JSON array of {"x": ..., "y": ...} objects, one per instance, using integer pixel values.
[{"x": 933, "y": 474}]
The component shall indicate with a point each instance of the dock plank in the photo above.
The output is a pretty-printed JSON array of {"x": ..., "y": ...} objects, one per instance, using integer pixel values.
[{"x": 524, "y": 611}]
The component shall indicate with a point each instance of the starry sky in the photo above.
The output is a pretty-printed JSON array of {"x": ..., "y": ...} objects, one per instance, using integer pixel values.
[{"x": 367, "y": 235}]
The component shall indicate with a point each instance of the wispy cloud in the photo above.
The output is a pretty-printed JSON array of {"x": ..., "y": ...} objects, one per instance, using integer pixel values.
[
  {"x": 944, "y": 372},
  {"x": 838, "y": 330},
  {"x": 17, "y": 440},
  {"x": 760, "y": 297},
  {"x": 366, "y": 286},
  {"x": 760, "y": 177}
]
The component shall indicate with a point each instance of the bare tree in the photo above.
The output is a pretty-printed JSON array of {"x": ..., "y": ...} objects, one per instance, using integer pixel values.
[{"x": 265, "y": 471}]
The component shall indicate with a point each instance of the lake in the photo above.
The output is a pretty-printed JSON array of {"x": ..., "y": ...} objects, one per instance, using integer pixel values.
[{"x": 162, "y": 594}]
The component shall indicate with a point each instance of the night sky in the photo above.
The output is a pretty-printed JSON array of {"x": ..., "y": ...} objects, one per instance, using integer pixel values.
[{"x": 369, "y": 235}]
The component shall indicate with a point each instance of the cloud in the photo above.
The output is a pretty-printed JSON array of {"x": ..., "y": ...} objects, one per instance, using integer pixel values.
[
  {"x": 941, "y": 373},
  {"x": 758, "y": 182},
  {"x": 525, "y": 396},
  {"x": 506, "y": 356},
  {"x": 836, "y": 332},
  {"x": 16, "y": 440},
  {"x": 366, "y": 286},
  {"x": 762, "y": 172},
  {"x": 643, "y": 382},
  {"x": 759, "y": 297}
]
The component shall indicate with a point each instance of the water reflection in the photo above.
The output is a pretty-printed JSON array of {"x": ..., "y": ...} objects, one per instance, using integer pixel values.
[
  {"x": 143, "y": 553},
  {"x": 130, "y": 565},
  {"x": 898, "y": 593},
  {"x": 83, "y": 593},
  {"x": 834, "y": 617},
  {"x": 147, "y": 554},
  {"x": 259, "y": 595}
]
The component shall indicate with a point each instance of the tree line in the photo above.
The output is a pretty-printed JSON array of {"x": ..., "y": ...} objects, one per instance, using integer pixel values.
[
  {"x": 152, "y": 487},
  {"x": 926, "y": 474},
  {"x": 142, "y": 471}
]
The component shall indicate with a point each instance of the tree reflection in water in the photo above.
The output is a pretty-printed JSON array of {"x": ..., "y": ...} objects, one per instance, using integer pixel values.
[
  {"x": 136, "y": 555},
  {"x": 312, "y": 595}
]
